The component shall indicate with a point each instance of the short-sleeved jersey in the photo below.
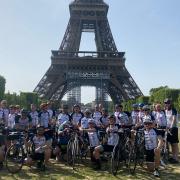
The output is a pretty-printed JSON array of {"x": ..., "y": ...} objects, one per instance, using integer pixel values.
[
  {"x": 104, "y": 120},
  {"x": 11, "y": 121},
  {"x": 76, "y": 117},
  {"x": 39, "y": 142},
  {"x": 23, "y": 124},
  {"x": 62, "y": 117},
  {"x": 160, "y": 118},
  {"x": 150, "y": 139},
  {"x": 34, "y": 118},
  {"x": 123, "y": 118},
  {"x": 84, "y": 123},
  {"x": 93, "y": 139},
  {"x": 169, "y": 116},
  {"x": 134, "y": 116},
  {"x": 44, "y": 118},
  {"x": 113, "y": 137}
]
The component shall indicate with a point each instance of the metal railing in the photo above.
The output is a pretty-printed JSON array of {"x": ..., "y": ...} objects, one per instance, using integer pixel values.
[{"x": 88, "y": 54}]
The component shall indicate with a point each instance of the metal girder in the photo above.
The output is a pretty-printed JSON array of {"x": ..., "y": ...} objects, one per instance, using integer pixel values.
[{"x": 104, "y": 69}]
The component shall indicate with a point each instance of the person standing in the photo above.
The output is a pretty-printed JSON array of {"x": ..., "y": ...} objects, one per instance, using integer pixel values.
[{"x": 172, "y": 138}]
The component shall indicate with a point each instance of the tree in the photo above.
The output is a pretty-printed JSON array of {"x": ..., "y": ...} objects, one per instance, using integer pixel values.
[{"x": 2, "y": 86}]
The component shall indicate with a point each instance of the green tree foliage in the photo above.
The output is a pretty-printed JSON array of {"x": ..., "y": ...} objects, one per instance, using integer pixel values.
[
  {"x": 143, "y": 99},
  {"x": 25, "y": 99},
  {"x": 2, "y": 87}
]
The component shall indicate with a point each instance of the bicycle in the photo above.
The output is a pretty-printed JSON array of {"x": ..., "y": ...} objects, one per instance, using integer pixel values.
[
  {"x": 120, "y": 151},
  {"x": 136, "y": 154},
  {"x": 17, "y": 152}
]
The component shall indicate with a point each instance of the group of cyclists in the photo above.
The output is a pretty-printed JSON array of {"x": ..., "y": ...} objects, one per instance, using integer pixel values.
[{"x": 52, "y": 130}]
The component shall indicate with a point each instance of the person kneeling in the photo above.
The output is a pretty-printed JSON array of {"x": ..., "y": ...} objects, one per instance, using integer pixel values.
[
  {"x": 113, "y": 138},
  {"x": 42, "y": 149},
  {"x": 153, "y": 145}
]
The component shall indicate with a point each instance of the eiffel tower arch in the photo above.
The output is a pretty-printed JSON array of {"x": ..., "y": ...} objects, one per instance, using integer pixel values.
[{"x": 104, "y": 68}]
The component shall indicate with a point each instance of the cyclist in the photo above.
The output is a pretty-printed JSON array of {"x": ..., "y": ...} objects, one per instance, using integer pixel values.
[
  {"x": 11, "y": 117},
  {"x": 104, "y": 118},
  {"x": 153, "y": 146},
  {"x": 4, "y": 111},
  {"x": 92, "y": 137},
  {"x": 42, "y": 146},
  {"x": 2, "y": 144},
  {"x": 160, "y": 122},
  {"x": 84, "y": 121},
  {"x": 97, "y": 115},
  {"x": 64, "y": 115},
  {"x": 44, "y": 117},
  {"x": 134, "y": 114},
  {"x": 22, "y": 122},
  {"x": 63, "y": 138},
  {"x": 113, "y": 138},
  {"x": 34, "y": 116},
  {"x": 172, "y": 138},
  {"x": 76, "y": 115},
  {"x": 141, "y": 113}
]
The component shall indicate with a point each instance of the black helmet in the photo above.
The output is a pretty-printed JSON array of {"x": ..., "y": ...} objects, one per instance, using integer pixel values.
[
  {"x": 24, "y": 111},
  {"x": 146, "y": 107},
  {"x": 167, "y": 101}
]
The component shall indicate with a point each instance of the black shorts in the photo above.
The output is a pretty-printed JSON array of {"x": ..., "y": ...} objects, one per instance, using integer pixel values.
[
  {"x": 37, "y": 156},
  {"x": 173, "y": 137},
  {"x": 160, "y": 132},
  {"x": 107, "y": 148},
  {"x": 149, "y": 155}
]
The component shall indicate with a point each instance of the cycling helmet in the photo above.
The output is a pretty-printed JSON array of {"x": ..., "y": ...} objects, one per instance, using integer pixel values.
[
  {"x": 91, "y": 121},
  {"x": 146, "y": 107},
  {"x": 112, "y": 117},
  {"x": 76, "y": 105},
  {"x": 135, "y": 105},
  {"x": 167, "y": 101},
  {"x": 87, "y": 111},
  {"x": 24, "y": 111},
  {"x": 147, "y": 120},
  {"x": 141, "y": 105}
]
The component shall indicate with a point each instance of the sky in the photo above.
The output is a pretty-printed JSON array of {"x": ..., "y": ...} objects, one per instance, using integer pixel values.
[{"x": 147, "y": 30}]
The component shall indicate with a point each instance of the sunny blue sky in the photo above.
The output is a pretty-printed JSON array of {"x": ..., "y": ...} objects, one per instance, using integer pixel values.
[{"x": 147, "y": 30}]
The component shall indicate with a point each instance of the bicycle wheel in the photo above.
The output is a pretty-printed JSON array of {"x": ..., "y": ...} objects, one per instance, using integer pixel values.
[
  {"x": 14, "y": 158},
  {"x": 69, "y": 152},
  {"x": 132, "y": 160},
  {"x": 115, "y": 160},
  {"x": 75, "y": 153},
  {"x": 165, "y": 155}
]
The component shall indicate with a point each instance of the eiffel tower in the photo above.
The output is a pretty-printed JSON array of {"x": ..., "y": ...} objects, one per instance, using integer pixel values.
[{"x": 103, "y": 69}]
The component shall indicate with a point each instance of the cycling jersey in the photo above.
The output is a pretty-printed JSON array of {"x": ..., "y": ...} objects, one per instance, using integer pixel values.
[
  {"x": 23, "y": 124},
  {"x": 113, "y": 137},
  {"x": 39, "y": 142},
  {"x": 11, "y": 121},
  {"x": 134, "y": 116},
  {"x": 63, "y": 118},
  {"x": 160, "y": 119},
  {"x": 44, "y": 118},
  {"x": 51, "y": 113},
  {"x": 150, "y": 139},
  {"x": 96, "y": 116},
  {"x": 123, "y": 119},
  {"x": 76, "y": 117},
  {"x": 34, "y": 118},
  {"x": 93, "y": 139},
  {"x": 104, "y": 120},
  {"x": 116, "y": 114},
  {"x": 169, "y": 116},
  {"x": 84, "y": 123}
]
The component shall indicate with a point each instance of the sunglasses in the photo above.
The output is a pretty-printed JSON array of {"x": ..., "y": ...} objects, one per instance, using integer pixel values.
[{"x": 147, "y": 123}]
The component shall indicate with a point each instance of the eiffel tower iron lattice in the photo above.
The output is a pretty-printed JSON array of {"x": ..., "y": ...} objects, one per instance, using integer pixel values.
[{"x": 104, "y": 69}]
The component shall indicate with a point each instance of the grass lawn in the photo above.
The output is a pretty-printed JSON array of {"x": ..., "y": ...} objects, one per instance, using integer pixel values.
[{"x": 61, "y": 171}]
